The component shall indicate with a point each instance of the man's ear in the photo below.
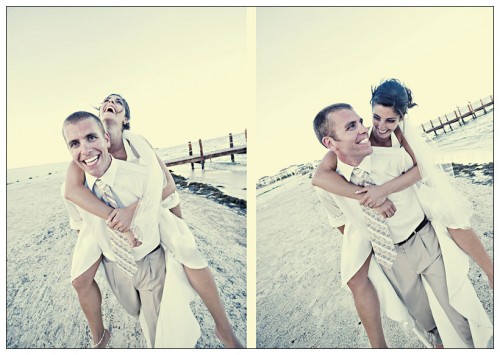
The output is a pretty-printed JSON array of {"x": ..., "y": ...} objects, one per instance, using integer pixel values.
[{"x": 330, "y": 143}]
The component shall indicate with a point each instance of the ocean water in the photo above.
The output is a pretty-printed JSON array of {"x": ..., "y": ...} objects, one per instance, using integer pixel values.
[
  {"x": 229, "y": 177},
  {"x": 208, "y": 146},
  {"x": 470, "y": 143}
]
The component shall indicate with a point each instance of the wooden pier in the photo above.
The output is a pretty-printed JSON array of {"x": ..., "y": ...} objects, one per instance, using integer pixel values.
[
  {"x": 469, "y": 112},
  {"x": 202, "y": 157}
]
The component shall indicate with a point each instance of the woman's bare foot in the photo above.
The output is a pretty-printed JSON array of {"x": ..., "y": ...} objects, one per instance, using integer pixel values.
[
  {"x": 435, "y": 339},
  {"x": 228, "y": 338},
  {"x": 104, "y": 341}
]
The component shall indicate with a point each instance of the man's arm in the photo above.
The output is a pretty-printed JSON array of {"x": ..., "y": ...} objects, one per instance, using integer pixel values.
[
  {"x": 335, "y": 216},
  {"x": 75, "y": 220}
]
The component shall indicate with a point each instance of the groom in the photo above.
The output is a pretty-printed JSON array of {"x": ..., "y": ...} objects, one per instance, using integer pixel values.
[
  {"x": 139, "y": 284},
  {"x": 413, "y": 251}
]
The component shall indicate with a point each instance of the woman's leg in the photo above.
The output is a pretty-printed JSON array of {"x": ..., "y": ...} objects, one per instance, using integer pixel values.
[
  {"x": 204, "y": 284},
  {"x": 367, "y": 305},
  {"x": 90, "y": 299},
  {"x": 470, "y": 243}
]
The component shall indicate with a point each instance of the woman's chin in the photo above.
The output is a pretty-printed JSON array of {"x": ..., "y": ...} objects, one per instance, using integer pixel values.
[{"x": 382, "y": 136}]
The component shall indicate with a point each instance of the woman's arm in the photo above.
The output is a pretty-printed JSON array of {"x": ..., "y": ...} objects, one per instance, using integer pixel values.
[
  {"x": 76, "y": 192},
  {"x": 375, "y": 195},
  {"x": 329, "y": 180},
  {"x": 326, "y": 178},
  {"x": 121, "y": 218}
]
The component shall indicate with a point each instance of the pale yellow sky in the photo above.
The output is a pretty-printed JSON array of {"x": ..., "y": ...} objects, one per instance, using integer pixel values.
[
  {"x": 182, "y": 70},
  {"x": 185, "y": 71},
  {"x": 308, "y": 58}
]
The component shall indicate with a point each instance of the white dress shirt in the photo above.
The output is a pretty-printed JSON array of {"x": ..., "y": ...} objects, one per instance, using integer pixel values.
[
  {"x": 128, "y": 182},
  {"x": 384, "y": 162},
  {"x": 384, "y": 165},
  {"x": 177, "y": 326}
]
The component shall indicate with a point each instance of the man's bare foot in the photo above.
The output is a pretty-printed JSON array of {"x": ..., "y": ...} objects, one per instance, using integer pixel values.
[
  {"x": 104, "y": 341},
  {"x": 229, "y": 340}
]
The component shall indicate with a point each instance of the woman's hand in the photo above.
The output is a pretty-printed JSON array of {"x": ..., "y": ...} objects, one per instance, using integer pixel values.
[
  {"x": 386, "y": 209},
  {"x": 374, "y": 196},
  {"x": 132, "y": 240},
  {"x": 121, "y": 218}
]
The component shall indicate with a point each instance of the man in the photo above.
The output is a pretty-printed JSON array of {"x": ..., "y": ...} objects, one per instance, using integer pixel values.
[
  {"x": 138, "y": 285},
  {"x": 363, "y": 291},
  {"x": 414, "y": 244}
]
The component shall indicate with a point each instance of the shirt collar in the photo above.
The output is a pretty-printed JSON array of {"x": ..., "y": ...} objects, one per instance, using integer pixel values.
[
  {"x": 108, "y": 177},
  {"x": 346, "y": 169}
]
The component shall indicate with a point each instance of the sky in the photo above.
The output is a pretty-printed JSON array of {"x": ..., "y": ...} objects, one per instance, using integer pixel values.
[
  {"x": 187, "y": 72},
  {"x": 183, "y": 71},
  {"x": 309, "y": 58}
]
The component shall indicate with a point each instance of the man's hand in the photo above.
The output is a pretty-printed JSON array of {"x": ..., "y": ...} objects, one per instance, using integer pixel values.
[{"x": 386, "y": 209}]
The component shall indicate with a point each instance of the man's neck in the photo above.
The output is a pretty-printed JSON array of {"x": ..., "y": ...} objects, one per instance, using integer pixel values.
[
  {"x": 107, "y": 167},
  {"x": 349, "y": 160}
]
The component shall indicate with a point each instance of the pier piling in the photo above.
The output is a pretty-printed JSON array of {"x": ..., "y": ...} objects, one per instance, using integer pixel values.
[
  {"x": 231, "y": 145},
  {"x": 203, "y": 156},
  {"x": 472, "y": 112}
]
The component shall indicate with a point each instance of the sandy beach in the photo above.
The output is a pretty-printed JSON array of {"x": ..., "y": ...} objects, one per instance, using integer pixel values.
[
  {"x": 42, "y": 307},
  {"x": 300, "y": 303}
]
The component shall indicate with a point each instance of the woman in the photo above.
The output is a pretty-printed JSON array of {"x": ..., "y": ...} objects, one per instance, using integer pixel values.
[
  {"x": 390, "y": 102},
  {"x": 115, "y": 114}
]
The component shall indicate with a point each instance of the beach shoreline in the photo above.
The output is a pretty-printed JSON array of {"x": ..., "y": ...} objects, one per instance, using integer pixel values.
[
  {"x": 229, "y": 191},
  {"x": 210, "y": 192}
]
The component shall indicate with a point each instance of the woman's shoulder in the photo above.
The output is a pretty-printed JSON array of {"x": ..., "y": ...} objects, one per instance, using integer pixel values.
[
  {"x": 131, "y": 136},
  {"x": 139, "y": 145},
  {"x": 136, "y": 141},
  {"x": 134, "y": 144}
]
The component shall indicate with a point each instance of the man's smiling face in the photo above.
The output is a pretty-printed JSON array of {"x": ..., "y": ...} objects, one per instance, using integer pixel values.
[
  {"x": 351, "y": 141},
  {"x": 88, "y": 146}
]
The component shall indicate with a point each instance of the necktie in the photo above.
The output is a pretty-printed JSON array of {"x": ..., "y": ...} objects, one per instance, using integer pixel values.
[
  {"x": 380, "y": 237},
  {"x": 119, "y": 244}
]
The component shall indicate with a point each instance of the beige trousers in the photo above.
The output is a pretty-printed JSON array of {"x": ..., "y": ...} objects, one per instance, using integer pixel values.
[
  {"x": 142, "y": 292},
  {"x": 420, "y": 257}
]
